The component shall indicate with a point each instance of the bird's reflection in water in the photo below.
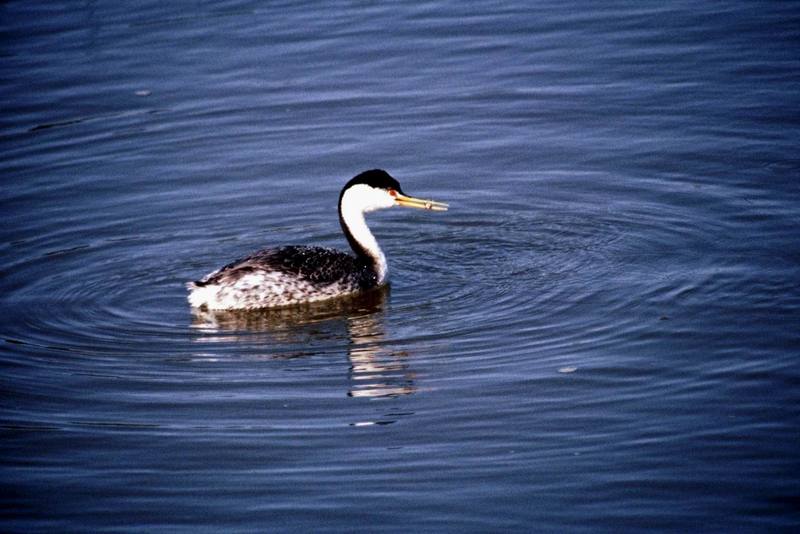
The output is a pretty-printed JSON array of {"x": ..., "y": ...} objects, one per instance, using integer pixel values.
[{"x": 375, "y": 370}]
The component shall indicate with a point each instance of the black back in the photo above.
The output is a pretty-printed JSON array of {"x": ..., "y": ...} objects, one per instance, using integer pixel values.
[{"x": 316, "y": 265}]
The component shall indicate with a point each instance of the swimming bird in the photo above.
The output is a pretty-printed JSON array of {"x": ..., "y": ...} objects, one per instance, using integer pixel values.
[{"x": 298, "y": 274}]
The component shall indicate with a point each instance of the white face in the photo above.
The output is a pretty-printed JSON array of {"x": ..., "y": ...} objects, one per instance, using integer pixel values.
[{"x": 366, "y": 198}]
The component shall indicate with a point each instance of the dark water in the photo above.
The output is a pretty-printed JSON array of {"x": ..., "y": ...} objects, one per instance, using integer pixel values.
[{"x": 603, "y": 332}]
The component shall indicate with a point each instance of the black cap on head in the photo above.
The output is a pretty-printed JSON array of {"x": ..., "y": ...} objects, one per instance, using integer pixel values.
[{"x": 377, "y": 178}]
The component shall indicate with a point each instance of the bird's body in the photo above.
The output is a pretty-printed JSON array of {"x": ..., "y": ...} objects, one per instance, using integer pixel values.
[
  {"x": 281, "y": 277},
  {"x": 298, "y": 274}
]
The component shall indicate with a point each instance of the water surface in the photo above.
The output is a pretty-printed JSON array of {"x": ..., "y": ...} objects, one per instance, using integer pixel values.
[{"x": 601, "y": 333}]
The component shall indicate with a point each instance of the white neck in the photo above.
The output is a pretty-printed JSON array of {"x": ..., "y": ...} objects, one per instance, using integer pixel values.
[{"x": 355, "y": 202}]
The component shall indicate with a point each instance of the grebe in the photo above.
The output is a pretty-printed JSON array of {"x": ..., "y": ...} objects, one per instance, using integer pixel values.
[{"x": 298, "y": 274}]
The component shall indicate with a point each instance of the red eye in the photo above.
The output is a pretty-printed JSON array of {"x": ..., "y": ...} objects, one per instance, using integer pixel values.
[{"x": 393, "y": 192}]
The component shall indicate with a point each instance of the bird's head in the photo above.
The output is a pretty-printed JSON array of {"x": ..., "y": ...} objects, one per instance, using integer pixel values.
[{"x": 377, "y": 189}]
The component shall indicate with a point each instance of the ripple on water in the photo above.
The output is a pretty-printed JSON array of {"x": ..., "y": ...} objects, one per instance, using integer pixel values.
[
  {"x": 525, "y": 265},
  {"x": 538, "y": 270},
  {"x": 105, "y": 297},
  {"x": 507, "y": 269}
]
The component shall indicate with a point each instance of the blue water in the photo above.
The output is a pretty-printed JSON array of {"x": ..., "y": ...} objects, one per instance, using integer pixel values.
[{"x": 602, "y": 334}]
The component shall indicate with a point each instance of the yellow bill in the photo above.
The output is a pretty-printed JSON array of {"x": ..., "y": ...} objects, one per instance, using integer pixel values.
[{"x": 411, "y": 202}]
